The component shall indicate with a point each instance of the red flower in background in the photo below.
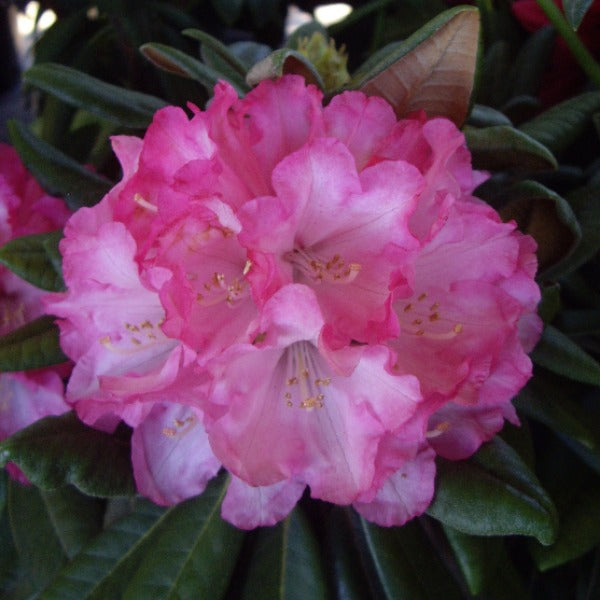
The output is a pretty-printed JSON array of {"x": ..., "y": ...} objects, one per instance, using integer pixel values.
[{"x": 563, "y": 76}]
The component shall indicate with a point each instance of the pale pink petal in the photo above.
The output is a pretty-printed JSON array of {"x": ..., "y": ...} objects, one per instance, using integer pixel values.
[
  {"x": 207, "y": 299},
  {"x": 29, "y": 396},
  {"x": 248, "y": 507},
  {"x": 171, "y": 456},
  {"x": 404, "y": 495},
  {"x": 345, "y": 237},
  {"x": 290, "y": 416}
]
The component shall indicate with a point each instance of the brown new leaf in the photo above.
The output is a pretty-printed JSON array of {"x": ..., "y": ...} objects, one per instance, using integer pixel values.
[{"x": 437, "y": 75}]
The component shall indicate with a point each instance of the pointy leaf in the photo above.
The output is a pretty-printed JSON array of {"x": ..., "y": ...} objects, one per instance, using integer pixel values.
[
  {"x": 32, "y": 346},
  {"x": 36, "y": 259},
  {"x": 193, "y": 555},
  {"x": 503, "y": 147},
  {"x": 558, "y": 353},
  {"x": 118, "y": 105},
  {"x": 281, "y": 62},
  {"x": 104, "y": 567},
  {"x": 177, "y": 62},
  {"x": 56, "y": 172},
  {"x": 61, "y": 450},
  {"x": 558, "y": 127},
  {"x": 433, "y": 70},
  {"x": 494, "y": 493},
  {"x": 286, "y": 563}
]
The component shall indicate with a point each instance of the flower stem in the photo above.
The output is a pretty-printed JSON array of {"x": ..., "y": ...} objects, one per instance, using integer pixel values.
[{"x": 580, "y": 52}]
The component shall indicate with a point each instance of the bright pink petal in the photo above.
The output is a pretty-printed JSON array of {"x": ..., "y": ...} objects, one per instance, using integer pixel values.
[
  {"x": 248, "y": 507},
  {"x": 272, "y": 121},
  {"x": 360, "y": 122}
]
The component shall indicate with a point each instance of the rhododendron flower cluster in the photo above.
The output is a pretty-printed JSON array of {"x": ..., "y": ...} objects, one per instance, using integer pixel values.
[
  {"x": 304, "y": 295},
  {"x": 25, "y": 209}
]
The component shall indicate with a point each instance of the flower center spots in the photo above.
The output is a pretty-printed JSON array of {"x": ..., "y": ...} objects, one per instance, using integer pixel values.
[
  {"x": 135, "y": 337},
  {"x": 420, "y": 317},
  {"x": 304, "y": 384},
  {"x": 319, "y": 269},
  {"x": 218, "y": 289},
  {"x": 180, "y": 427}
]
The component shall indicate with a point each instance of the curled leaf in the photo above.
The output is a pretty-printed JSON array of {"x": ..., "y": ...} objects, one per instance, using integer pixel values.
[{"x": 433, "y": 70}]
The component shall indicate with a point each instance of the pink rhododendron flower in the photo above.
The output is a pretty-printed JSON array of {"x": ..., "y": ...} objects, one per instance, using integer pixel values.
[
  {"x": 25, "y": 209},
  {"x": 311, "y": 301}
]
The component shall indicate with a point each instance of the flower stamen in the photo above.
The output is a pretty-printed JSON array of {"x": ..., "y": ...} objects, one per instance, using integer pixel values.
[{"x": 318, "y": 270}]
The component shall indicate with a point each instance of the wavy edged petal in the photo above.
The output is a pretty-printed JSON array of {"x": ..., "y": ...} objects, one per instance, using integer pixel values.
[
  {"x": 274, "y": 120},
  {"x": 247, "y": 507},
  {"x": 404, "y": 495},
  {"x": 360, "y": 122},
  {"x": 278, "y": 411}
]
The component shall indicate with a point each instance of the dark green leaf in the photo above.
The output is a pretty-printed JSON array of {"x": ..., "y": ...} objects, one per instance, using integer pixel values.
[
  {"x": 104, "y": 568},
  {"x": 175, "y": 61},
  {"x": 586, "y": 207},
  {"x": 281, "y": 62},
  {"x": 263, "y": 11},
  {"x": 579, "y": 532},
  {"x": 228, "y": 10},
  {"x": 56, "y": 41},
  {"x": 220, "y": 49},
  {"x": 32, "y": 346},
  {"x": 559, "y": 126},
  {"x": 38, "y": 546},
  {"x": 76, "y": 518},
  {"x": 285, "y": 563},
  {"x": 476, "y": 556},
  {"x": 8, "y": 555},
  {"x": 531, "y": 62},
  {"x": 124, "y": 107},
  {"x": 506, "y": 583},
  {"x": 548, "y": 218},
  {"x": 575, "y": 11},
  {"x": 36, "y": 259},
  {"x": 493, "y": 74},
  {"x": 551, "y": 402},
  {"x": 249, "y": 53},
  {"x": 494, "y": 493},
  {"x": 193, "y": 555},
  {"x": 558, "y": 353},
  {"x": 57, "y": 173},
  {"x": 405, "y": 564},
  {"x": 3, "y": 490},
  {"x": 549, "y": 305},
  {"x": 580, "y": 322},
  {"x": 503, "y": 147},
  {"x": 349, "y": 578},
  {"x": 486, "y": 116},
  {"x": 55, "y": 451}
]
